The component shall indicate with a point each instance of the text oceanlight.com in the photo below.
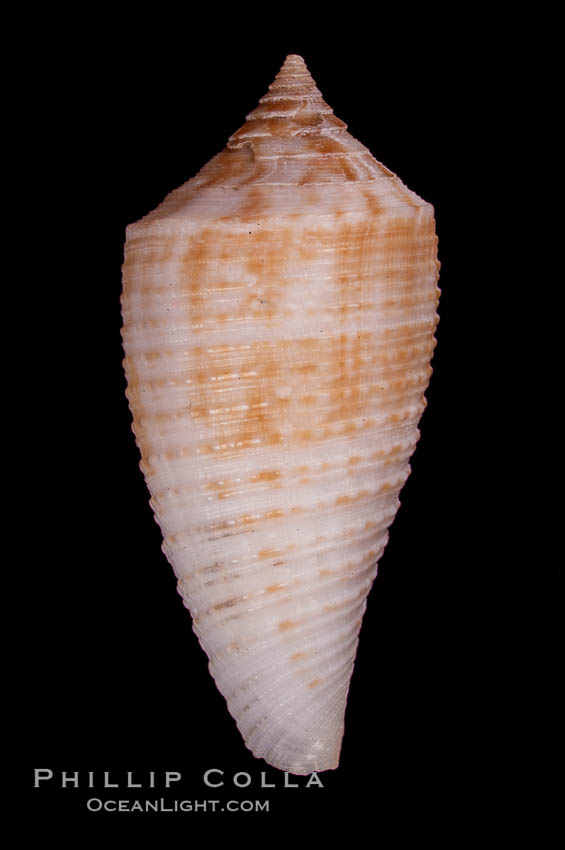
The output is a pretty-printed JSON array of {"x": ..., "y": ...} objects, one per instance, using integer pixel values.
[{"x": 162, "y": 805}]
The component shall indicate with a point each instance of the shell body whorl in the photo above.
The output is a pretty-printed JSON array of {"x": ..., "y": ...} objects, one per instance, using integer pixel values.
[{"x": 279, "y": 312}]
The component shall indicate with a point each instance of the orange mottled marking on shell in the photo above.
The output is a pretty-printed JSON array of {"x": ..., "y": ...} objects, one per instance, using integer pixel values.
[
  {"x": 268, "y": 553},
  {"x": 266, "y": 475},
  {"x": 344, "y": 500},
  {"x": 229, "y": 603},
  {"x": 285, "y": 625},
  {"x": 274, "y": 514},
  {"x": 255, "y": 395},
  {"x": 247, "y": 519},
  {"x": 217, "y": 485}
]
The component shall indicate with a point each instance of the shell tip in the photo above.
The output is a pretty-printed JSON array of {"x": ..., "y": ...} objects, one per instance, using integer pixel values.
[
  {"x": 294, "y": 77},
  {"x": 294, "y": 64},
  {"x": 294, "y": 59}
]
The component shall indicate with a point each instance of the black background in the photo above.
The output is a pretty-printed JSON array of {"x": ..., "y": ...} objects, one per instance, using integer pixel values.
[{"x": 110, "y": 675}]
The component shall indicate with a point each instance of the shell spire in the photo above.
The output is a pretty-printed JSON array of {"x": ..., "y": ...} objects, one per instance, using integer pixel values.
[
  {"x": 292, "y": 106},
  {"x": 290, "y": 144},
  {"x": 279, "y": 311}
]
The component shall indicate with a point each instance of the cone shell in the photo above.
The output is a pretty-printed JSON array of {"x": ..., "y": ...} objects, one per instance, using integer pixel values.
[{"x": 279, "y": 311}]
